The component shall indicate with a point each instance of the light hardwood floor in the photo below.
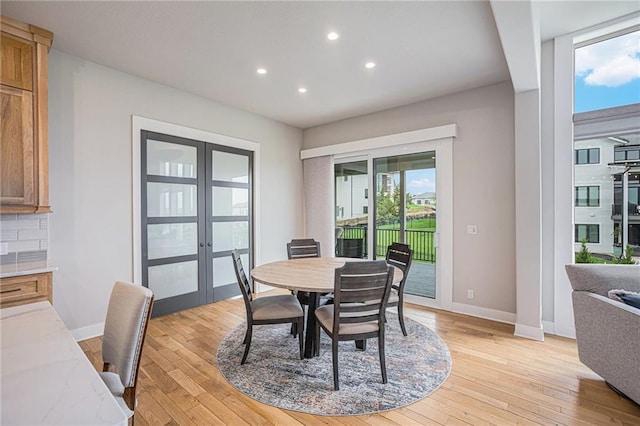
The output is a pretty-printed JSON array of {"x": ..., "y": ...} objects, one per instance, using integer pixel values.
[{"x": 496, "y": 378}]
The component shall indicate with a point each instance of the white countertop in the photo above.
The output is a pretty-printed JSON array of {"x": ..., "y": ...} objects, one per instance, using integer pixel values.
[
  {"x": 15, "y": 270},
  {"x": 46, "y": 378}
]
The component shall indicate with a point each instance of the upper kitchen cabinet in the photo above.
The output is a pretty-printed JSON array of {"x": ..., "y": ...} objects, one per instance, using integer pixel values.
[{"x": 24, "y": 156}]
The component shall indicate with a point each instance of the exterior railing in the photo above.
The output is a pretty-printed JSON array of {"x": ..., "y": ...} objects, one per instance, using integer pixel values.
[
  {"x": 421, "y": 241},
  {"x": 632, "y": 210}
]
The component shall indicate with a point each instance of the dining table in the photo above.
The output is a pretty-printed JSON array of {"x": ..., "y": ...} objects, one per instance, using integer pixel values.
[
  {"x": 46, "y": 377},
  {"x": 315, "y": 275}
]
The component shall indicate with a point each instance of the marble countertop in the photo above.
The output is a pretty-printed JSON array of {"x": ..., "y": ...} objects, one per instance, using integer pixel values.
[
  {"x": 46, "y": 378},
  {"x": 15, "y": 270}
]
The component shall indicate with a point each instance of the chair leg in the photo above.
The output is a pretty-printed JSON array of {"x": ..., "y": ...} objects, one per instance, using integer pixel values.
[
  {"x": 334, "y": 357},
  {"x": 300, "y": 327},
  {"x": 294, "y": 329},
  {"x": 317, "y": 339},
  {"x": 383, "y": 365},
  {"x": 401, "y": 318},
  {"x": 247, "y": 339}
]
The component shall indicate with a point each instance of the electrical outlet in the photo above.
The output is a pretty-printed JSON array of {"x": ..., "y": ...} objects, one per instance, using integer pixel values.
[
  {"x": 4, "y": 249},
  {"x": 472, "y": 229},
  {"x": 470, "y": 294}
]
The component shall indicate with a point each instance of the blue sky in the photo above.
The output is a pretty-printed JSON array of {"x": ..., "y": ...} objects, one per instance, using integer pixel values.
[
  {"x": 420, "y": 181},
  {"x": 607, "y": 74}
]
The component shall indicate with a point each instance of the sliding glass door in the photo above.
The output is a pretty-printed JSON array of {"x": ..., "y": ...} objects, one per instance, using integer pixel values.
[
  {"x": 196, "y": 201},
  {"x": 405, "y": 212}
]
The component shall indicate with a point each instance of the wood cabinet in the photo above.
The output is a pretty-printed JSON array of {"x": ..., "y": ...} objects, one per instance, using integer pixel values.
[
  {"x": 23, "y": 289},
  {"x": 24, "y": 156}
]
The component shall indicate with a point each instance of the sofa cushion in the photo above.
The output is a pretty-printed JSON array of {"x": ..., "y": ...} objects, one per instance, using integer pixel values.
[
  {"x": 631, "y": 298},
  {"x": 599, "y": 279}
]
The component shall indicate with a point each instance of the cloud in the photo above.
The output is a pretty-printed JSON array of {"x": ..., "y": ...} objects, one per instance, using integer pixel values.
[
  {"x": 610, "y": 63},
  {"x": 421, "y": 183}
]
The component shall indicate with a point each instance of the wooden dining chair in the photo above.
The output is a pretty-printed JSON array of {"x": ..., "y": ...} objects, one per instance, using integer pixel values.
[
  {"x": 303, "y": 249},
  {"x": 125, "y": 328},
  {"x": 361, "y": 291},
  {"x": 280, "y": 309},
  {"x": 399, "y": 255}
]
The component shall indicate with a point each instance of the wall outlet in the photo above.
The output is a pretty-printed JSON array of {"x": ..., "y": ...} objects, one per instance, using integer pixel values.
[
  {"x": 4, "y": 248},
  {"x": 470, "y": 294},
  {"x": 472, "y": 229}
]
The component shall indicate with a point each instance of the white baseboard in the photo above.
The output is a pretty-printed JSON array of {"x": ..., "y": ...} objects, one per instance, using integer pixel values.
[
  {"x": 529, "y": 332},
  {"x": 88, "y": 332},
  {"x": 486, "y": 313}
]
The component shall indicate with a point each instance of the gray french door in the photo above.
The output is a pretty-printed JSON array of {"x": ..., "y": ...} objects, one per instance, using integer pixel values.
[{"x": 196, "y": 208}]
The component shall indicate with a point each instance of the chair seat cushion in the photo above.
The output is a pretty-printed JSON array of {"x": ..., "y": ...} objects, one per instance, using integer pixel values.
[
  {"x": 324, "y": 314},
  {"x": 274, "y": 307},
  {"x": 112, "y": 380}
]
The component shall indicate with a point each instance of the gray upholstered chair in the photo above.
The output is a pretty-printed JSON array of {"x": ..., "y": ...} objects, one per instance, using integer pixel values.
[
  {"x": 125, "y": 328},
  {"x": 400, "y": 256},
  {"x": 280, "y": 309},
  {"x": 608, "y": 331},
  {"x": 361, "y": 291}
]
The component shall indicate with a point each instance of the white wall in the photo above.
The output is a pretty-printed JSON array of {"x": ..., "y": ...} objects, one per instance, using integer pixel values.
[
  {"x": 483, "y": 181},
  {"x": 90, "y": 108}
]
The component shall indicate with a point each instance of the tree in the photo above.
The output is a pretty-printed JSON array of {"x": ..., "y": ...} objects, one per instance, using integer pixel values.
[
  {"x": 627, "y": 259},
  {"x": 584, "y": 256}
]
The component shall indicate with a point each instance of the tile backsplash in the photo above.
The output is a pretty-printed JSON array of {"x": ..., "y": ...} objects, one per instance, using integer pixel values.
[{"x": 26, "y": 237}]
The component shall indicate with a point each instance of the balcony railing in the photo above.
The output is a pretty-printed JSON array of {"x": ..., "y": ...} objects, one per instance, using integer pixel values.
[
  {"x": 353, "y": 242},
  {"x": 616, "y": 210}
]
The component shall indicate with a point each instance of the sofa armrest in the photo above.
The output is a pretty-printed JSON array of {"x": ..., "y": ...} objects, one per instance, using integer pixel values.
[
  {"x": 608, "y": 337},
  {"x": 600, "y": 279}
]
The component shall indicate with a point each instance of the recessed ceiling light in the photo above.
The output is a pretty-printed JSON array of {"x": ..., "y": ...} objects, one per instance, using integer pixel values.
[
  {"x": 261, "y": 71},
  {"x": 302, "y": 90},
  {"x": 333, "y": 36},
  {"x": 370, "y": 65}
]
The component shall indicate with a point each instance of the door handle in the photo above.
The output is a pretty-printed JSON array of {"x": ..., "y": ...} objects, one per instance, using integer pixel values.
[
  {"x": 201, "y": 244},
  {"x": 209, "y": 244}
]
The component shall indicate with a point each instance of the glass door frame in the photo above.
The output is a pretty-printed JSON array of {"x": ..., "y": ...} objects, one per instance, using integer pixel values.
[{"x": 444, "y": 209}]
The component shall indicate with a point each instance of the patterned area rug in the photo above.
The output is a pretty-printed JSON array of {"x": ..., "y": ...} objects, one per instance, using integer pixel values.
[{"x": 273, "y": 374}]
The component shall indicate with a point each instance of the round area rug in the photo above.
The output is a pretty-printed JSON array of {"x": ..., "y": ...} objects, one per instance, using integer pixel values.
[{"x": 273, "y": 374}]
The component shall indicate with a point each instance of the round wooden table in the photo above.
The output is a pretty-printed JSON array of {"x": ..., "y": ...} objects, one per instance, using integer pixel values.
[{"x": 315, "y": 275}]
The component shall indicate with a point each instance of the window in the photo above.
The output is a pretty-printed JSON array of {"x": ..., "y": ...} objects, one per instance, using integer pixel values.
[
  {"x": 366, "y": 193},
  {"x": 627, "y": 153},
  {"x": 365, "y": 209},
  {"x": 590, "y": 233},
  {"x": 587, "y": 196},
  {"x": 606, "y": 71},
  {"x": 588, "y": 156}
]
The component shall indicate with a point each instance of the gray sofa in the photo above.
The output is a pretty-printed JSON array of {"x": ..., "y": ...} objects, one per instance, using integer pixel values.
[{"x": 608, "y": 331}]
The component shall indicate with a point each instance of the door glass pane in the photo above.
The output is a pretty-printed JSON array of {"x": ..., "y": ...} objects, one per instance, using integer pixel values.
[
  {"x": 352, "y": 209},
  {"x": 171, "y": 199},
  {"x": 173, "y": 279},
  {"x": 170, "y": 159},
  {"x": 223, "y": 270},
  {"x": 172, "y": 239},
  {"x": 230, "y": 167},
  {"x": 230, "y": 201},
  {"x": 406, "y": 213},
  {"x": 230, "y": 235}
]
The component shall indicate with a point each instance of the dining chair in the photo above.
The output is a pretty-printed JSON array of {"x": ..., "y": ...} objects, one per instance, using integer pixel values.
[
  {"x": 125, "y": 328},
  {"x": 280, "y": 309},
  {"x": 303, "y": 249},
  {"x": 361, "y": 291},
  {"x": 399, "y": 255}
]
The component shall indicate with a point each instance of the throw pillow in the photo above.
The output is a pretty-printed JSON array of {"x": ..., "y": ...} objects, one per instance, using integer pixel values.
[{"x": 631, "y": 298}]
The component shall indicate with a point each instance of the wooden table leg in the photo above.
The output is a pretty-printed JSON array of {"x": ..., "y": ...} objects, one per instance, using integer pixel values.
[
  {"x": 361, "y": 345},
  {"x": 310, "y": 349}
]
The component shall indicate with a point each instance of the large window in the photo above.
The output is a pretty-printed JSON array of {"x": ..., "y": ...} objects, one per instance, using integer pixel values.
[
  {"x": 607, "y": 72},
  {"x": 587, "y": 196},
  {"x": 589, "y": 233}
]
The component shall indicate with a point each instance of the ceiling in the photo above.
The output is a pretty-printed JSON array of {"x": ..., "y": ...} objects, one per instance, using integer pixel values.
[{"x": 422, "y": 50}]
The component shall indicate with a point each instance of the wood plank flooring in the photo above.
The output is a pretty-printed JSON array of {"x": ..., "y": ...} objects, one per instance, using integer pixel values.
[{"x": 496, "y": 378}]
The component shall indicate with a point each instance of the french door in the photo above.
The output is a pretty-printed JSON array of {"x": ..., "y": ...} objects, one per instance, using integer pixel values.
[{"x": 196, "y": 202}]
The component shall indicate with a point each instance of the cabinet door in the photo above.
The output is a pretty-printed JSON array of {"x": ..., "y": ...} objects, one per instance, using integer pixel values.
[
  {"x": 16, "y": 63},
  {"x": 16, "y": 147}
]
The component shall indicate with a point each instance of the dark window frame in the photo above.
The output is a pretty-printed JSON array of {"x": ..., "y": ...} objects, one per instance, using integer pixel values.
[
  {"x": 592, "y": 229},
  {"x": 592, "y": 157},
  {"x": 589, "y": 198}
]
